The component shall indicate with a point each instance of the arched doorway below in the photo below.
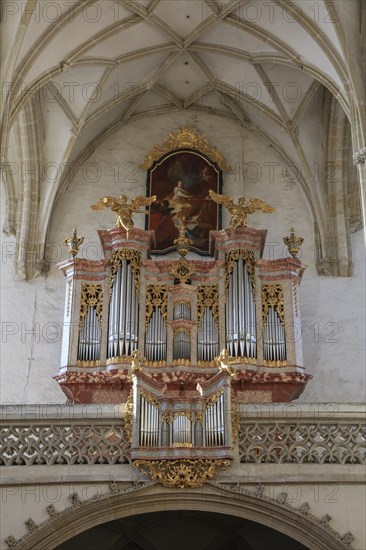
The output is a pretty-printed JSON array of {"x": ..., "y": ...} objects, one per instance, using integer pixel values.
[{"x": 181, "y": 530}]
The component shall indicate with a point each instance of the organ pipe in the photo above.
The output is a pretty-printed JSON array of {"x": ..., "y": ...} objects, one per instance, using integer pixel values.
[
  {"x": 182, "y": 346},
  {"x": 149, "y": 424},
  {"x": 274, "y": 337},
  {"x": 155, "y": 341},
  {"x": 208, "y": 337},
  {"x": 123, "y": 313},
  {"x": 182, "y": 430},
  {"x": 182, "y": 311},
  {"x": 90, "y": 337},
  {"x": 240, "y": 313},
  {"x": 214, "y": 424}
]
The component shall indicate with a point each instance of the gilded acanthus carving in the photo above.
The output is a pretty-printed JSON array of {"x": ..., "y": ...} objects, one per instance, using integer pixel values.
[
  {"x": 129, "y": 416},
  {"x": 182, "y": 473},
  {"x": 272, "y": 296},
  {"x": 150, "y": 398},
  {"x": 134, "y": 258},
  {"x": 213, "y": 398},
  {"x": 235, "y": 417},
  {"x": 91, "y": 296},
  {"x": 187, "y": 414},
  {"x": 183, "y": 270},
  {"x": 186, "y": 137},
  {"x": 233, "y": 256},
  {"x": 208, "y": 296},
  {"x": 156, "y": 297},
  {"x": 185, "y": 329}
]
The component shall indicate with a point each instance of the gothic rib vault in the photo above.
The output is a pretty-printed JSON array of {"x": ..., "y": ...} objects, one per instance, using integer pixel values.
[{"x": 74, "y": 72}]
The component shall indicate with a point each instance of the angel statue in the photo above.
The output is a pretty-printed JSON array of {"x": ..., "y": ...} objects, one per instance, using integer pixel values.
[
  {"x": 137, "y": 362},
  {"x": 239, "y": 211},
  {"x": 224, "y": 361},
  {"x": 123, "y": 210}
]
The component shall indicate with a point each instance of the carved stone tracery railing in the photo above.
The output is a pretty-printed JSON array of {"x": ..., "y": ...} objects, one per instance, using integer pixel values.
[
  {"x": 41, "y": 444},
  {"x": 266, "y": 436},
  {"x": 304, "y": 442}
]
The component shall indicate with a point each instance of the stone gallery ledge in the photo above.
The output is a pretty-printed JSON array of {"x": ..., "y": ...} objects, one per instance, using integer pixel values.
[{"x": 61, "y": 435}]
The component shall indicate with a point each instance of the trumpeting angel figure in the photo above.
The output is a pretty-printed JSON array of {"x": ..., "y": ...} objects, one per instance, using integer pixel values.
[
  {"x": 239, "y": 211},
  {"x": 123, "y": 210}
]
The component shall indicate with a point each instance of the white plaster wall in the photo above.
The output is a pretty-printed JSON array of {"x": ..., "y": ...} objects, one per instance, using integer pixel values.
[
  {"x": 28, "y": 360},
  {"x": 332, "y": 309}
]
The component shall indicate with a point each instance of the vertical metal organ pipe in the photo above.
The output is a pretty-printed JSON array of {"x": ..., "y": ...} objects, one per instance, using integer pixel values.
[
  {"x": 123, "y": 313},
  {"x": 240, "y": 317}
]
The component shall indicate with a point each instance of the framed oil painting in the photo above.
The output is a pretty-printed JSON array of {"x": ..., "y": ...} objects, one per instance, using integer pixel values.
[{"x": 181, "y": 180}]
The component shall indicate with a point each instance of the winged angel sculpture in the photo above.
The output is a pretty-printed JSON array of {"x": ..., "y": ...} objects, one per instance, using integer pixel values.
[
  {"x": 123, "y": 210},
  {"x": 239, "y": 211}
]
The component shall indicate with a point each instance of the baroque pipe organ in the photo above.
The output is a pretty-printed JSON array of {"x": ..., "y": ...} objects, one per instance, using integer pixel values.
[
  {"x": 182, "y": 338},
  {"x": 131, "y": 302},
  {"x": 132, "y": 309}
]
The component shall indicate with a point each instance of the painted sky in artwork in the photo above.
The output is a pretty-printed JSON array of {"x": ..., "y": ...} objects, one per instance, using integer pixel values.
[{"x": 181, "y": 182}]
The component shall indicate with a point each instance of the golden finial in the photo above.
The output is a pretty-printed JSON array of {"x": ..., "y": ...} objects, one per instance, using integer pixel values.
[
  {"x": 183, "y": 242},
  {"x": 293, "y": 243},
  {"x": 73, "y": 242}
]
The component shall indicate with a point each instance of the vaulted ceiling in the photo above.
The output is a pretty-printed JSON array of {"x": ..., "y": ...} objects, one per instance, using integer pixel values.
[{"x": 78, "y": 69}]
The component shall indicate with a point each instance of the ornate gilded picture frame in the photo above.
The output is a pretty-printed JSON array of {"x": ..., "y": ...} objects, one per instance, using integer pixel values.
[{"x": 181, "y": 180}]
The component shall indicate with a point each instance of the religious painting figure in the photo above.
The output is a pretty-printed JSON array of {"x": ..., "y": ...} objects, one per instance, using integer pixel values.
[{"x": 181, "y": 182}]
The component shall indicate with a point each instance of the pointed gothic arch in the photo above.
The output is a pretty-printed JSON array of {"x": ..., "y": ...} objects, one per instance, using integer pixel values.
[{"x": 212, "y": 497}]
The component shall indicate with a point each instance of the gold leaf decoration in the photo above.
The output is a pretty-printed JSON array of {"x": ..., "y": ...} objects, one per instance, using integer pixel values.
[
  {"x": 150, "y": 398},
  {"x": 129, "y": 416},
  {"x": 91, "y": 296},
  {"x": 235, "y": 417},
  {"x": 182, "y": 270},
  {"x": 208, "y": 296},
  {"x": 156, "y": 297},
  {"x": 213, "y": 398},
  {"x": 182, "y": 473},
  {"x": 272, "y": 296},
  {"x": 186, "y": 138}
]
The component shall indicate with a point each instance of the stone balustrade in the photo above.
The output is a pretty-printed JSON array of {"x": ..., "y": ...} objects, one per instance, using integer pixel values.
[{"x": 285, "y": 433}]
